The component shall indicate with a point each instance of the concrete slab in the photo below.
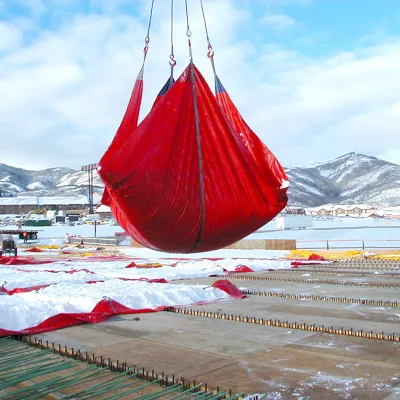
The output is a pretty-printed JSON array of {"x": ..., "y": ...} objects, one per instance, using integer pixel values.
[
  {"x": 293, "y": 364},
  {"x": 321, "y": 276},
  {"x": 319, "y": 313},
  {"x": 252, "y": 358},
  {"x": 391, "y": 294}
]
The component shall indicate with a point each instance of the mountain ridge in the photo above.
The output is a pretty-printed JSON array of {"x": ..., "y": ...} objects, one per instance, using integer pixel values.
[{"x": 349, "y": 179}]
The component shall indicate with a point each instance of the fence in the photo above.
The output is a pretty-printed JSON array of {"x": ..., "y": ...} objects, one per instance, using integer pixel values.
[
  {"x": 111, "y": 241},
  {"x": 348, "y": 244},
  {"x": 276, "y": 244}
]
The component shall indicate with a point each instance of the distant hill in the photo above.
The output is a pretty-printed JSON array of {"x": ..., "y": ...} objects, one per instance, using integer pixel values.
[
  {"x": 351, "y": 178},
  {"x": 48, "y": 182}
]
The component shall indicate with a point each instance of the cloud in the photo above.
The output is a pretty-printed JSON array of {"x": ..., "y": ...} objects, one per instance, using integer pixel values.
[
  {"x": 276, "y": 4},
  {"x": 279, "y": 4},
  {"x": 279, "y": 21},
  {"x": 10, "y": 37},
  {"x": 65, "y": 89}
]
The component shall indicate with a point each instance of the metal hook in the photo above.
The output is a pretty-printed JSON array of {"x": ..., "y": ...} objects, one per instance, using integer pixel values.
[
  {"x": 172, "y": 61},
  {"x": 146, "y": 44}
]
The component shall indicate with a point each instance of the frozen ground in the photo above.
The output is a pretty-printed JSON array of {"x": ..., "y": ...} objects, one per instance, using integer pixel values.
[
  {"x": 53, "y": 283},
  {"x": 374, "y": 232},
  {"x": 73, "y": 269},
  {"x": 78, "y": 280},
  {"x": 60, "y": 231},
  {"x": 27, "y": 310},
  {"x": 353, "y": 232}
]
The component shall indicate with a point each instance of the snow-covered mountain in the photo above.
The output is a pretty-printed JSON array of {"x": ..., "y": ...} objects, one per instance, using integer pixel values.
[
  {"x": 352, "y": 178},
  {"x": 47, "y": 182}
]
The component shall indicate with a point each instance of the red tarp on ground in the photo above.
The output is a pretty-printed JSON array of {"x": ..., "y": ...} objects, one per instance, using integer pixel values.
[
  {"x": 106, "y": 309},
  {"x": 38, "y": 287},
  {"x": 240, "y": 268},
  {"x": 22, "y": 289},
  {"x": 192, "y": 176},
  {"x": 313, "y": 259},
  {"x": 23, "y": 261},
  {"x": 316, "y": 257},
  {"x": 229, "y": 287},
  {"x": 34, "y": 250}
]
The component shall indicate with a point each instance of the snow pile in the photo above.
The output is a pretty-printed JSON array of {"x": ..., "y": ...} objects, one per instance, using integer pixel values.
[
  {"x": 26, "y": 310},
  {"x": 25, "y": 278},
  {"x": 103, "y": 268},
  {"x": 38, "y": 297},
  {"x": 49, "y": 290}
]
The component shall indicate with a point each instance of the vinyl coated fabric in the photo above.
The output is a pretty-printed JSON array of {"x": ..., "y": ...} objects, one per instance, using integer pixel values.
[
  {"x": 192, "y": 176},
  {"x": 103, "y": 310},
  {"x": 128, "y": 125}
]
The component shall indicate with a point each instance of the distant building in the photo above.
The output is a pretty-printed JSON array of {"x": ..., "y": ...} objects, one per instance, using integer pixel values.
[
  {"x": 104, "y": 211},
  {"x": 24, "y": 204},
  {"x": 294, "y": 210},
  {"x": 343, "y": 209}
]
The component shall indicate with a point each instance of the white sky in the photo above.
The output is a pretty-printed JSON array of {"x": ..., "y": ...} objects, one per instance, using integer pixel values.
[{"x": 65, "y": 82}]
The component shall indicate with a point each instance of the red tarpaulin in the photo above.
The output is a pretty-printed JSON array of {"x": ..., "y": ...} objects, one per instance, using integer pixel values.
[
  {"x": 192, "y": 176},
  {"x": 103, "y": 310}
]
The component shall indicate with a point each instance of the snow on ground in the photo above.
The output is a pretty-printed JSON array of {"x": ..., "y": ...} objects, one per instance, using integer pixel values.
[
  {"x": 372, "y": 231},
  {"x": 26, "y": 310},
  {"x": 218, "y": 254},
  {"x": 19, "y": 276},
  {"x": 379, "y": 233},
  {"x": 78, "y": 283},
  {"x": 60, "y": 231},
  {"x": 24, "y": 277},
  {"x": 67, "y": 276},
  {"x": 324, "y": 228}
]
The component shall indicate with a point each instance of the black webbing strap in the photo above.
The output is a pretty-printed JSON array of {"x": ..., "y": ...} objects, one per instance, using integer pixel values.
[{"x": 200, "y": 159}]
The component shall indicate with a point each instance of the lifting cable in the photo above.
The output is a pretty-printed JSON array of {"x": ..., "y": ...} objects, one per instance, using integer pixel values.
[
  {"x": 188, "y": 32},
  {"x": 198, "y": 137},
  {"x": 172, "y": 61},
  {"x": 210, "y": 52},
  {"x": 147, "y": 38}
]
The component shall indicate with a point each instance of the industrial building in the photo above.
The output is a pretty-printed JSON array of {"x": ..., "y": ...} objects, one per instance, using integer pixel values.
[{"x": 24, "y": 204}]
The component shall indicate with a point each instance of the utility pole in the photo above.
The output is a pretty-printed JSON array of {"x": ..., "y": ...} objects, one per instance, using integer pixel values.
[{"x": 90, "y": 168}]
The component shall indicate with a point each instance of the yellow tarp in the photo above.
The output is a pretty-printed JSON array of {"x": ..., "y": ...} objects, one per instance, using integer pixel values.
[
  {"x": 346, "y": 254},
  {"x": 48, "y": 246}
]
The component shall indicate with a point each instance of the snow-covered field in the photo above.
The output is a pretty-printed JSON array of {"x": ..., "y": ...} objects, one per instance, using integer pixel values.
[
  {"x": 60, "y": 231},
  {"x": 49, "y": 292},
  {"x": 376, "y": 233},
  {"x": 77, "y": 282},
  {"x": 53, "y": 288},
  {"x": 24, "y": 311},
  {"x": 324, "y": 228}
]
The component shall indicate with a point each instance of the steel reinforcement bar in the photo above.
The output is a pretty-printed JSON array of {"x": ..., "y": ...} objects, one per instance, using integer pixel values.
[
  {"x": 285, "y": 324},
  {"x": 354, "y": 266},
  {"x": 199, "y": 391},
  {"x": 366, "y": 302},
  {"x": 332, "y": 270},
  {"x": 380, "y": 261},
  {"x": 319, "y": 281}
]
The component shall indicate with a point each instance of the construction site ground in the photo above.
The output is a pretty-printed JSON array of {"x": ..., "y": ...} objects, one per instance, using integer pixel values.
[{"x": 246, "y": 357}]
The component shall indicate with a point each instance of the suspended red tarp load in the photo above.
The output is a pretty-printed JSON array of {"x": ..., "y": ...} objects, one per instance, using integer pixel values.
[{"x": 192, "y": 176}]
